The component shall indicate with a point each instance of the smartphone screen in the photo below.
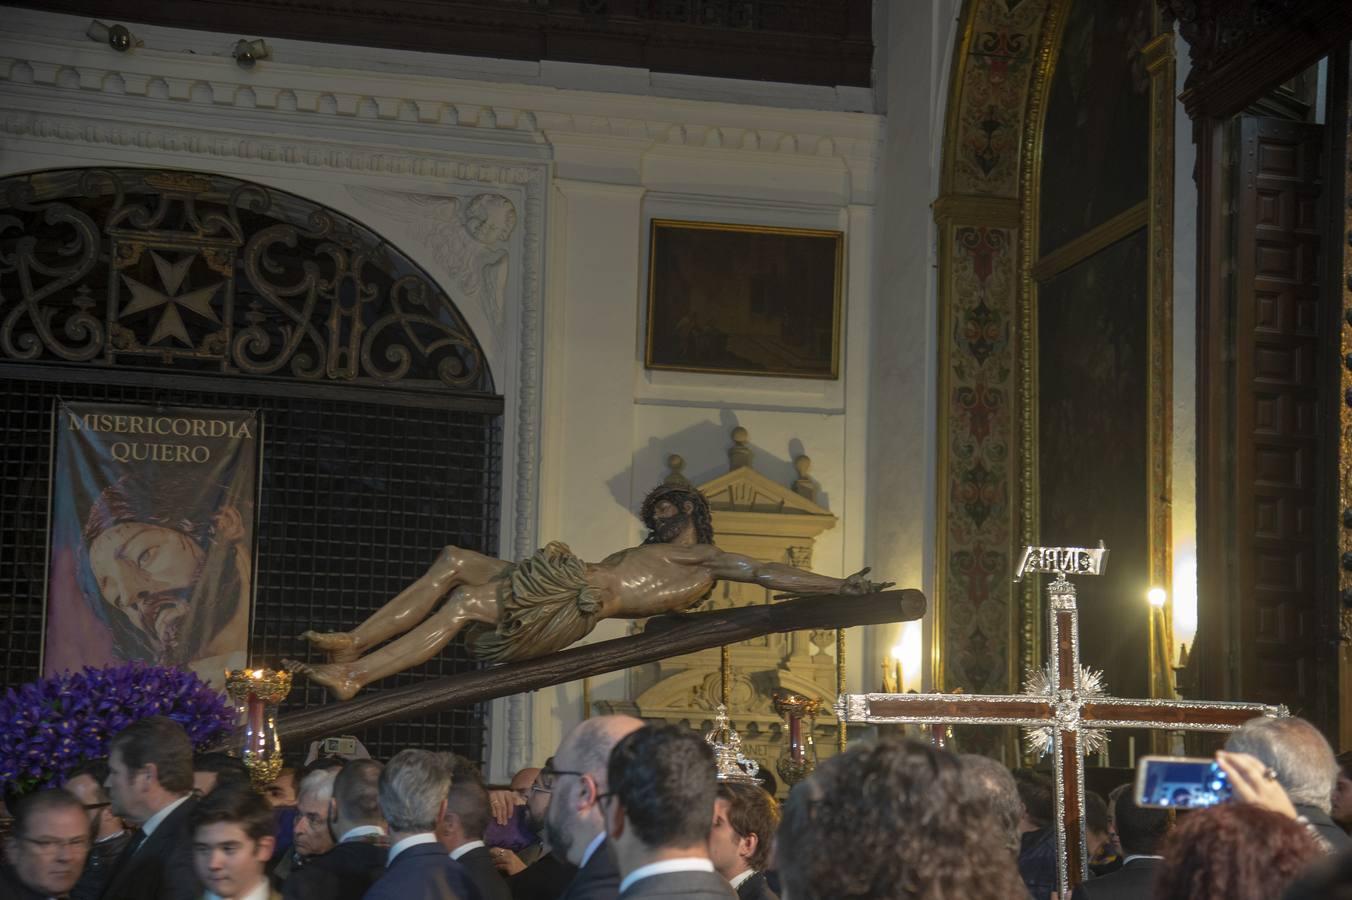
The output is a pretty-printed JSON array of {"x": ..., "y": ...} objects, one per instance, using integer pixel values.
[{"x": 1177, "y": 782}]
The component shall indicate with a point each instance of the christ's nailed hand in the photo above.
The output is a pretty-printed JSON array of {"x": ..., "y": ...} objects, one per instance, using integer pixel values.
[{"x": 858, "y": 584}]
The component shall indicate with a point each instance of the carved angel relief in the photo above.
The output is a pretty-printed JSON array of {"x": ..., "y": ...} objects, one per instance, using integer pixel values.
[{"x": 467, "y": 237}]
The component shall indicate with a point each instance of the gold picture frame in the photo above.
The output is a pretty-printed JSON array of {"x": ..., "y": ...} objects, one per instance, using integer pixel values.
[{"x": 744, "y": 299}]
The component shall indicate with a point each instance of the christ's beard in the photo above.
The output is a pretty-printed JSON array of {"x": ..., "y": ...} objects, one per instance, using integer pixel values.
[
  {"x": 670, "y": 528},
  {"x": 163, "y": 617}
]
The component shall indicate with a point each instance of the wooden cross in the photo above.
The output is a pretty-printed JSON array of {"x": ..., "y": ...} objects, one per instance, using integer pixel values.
[{"x": 1063, "y": 708}]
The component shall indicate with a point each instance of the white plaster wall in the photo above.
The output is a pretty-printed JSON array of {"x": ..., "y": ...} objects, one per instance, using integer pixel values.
[
  {"x": 920, "y": 40},
  {"x": 589, "y": 155}
]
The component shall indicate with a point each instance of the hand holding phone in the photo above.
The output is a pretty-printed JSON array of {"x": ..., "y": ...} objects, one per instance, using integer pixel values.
[{"x": 1255, "y": 783}]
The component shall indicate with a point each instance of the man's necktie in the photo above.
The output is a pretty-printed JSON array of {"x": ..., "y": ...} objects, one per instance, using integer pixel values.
[{"x": 138, "y": 838}]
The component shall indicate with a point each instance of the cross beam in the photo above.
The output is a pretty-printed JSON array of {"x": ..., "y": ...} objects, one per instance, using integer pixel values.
[{"x": 1063, "y": 708}]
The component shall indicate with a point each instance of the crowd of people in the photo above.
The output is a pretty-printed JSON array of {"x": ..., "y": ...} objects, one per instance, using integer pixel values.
[{"x": 635, "y": 811}]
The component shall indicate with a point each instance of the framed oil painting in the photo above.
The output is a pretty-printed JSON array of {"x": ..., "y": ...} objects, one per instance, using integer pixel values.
[{"x": 744, "y": 299}]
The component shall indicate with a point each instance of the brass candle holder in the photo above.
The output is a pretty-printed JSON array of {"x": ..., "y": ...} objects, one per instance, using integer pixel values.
[
  {"x": 256, "y": 693},
  {"x": 798, "y": 758}
]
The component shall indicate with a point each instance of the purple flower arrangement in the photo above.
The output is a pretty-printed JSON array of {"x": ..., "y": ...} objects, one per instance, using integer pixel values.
[{"x": 48, "y": 727}]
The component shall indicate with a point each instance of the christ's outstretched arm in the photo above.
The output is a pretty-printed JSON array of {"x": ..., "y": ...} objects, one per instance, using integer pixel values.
[{"x": 773, "y": 576}]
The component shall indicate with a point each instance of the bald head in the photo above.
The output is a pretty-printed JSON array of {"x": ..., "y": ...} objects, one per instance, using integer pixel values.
[
  {"x": 522, "y": 780},
  {"x": 574, "y": 818},
  {"x": 587, "y": 747},
  {"x": 1301, "y": 757}
]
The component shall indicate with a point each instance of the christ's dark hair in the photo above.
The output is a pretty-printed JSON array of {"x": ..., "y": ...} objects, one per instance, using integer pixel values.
[
  {"x": 1235, "y": 850},
  {"x": 664, "y": 777},
  {"x": 700, "y": 514},
  {"x": 237, "y": 804},
  {"x": 893, "y": 819}
]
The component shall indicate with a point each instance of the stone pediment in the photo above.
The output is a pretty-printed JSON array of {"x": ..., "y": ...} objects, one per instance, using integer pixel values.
[
  {"x": 746, "y": 490},
  {"x": 744, "y": 501}
]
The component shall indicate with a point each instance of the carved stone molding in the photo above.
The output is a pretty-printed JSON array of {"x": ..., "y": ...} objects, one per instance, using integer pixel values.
[{"x": 505, "y": 114}]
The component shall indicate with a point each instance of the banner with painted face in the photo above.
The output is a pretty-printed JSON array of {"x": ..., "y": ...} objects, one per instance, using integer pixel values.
[{"x": 152, "y": 537}]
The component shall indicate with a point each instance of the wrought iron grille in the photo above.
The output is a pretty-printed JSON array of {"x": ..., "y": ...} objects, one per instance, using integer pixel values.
[
  {"x": 134, "y": 267},
  {"x": 364, "y": 477}
]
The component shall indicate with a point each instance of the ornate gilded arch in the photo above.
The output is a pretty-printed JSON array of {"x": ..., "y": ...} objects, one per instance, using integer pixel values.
[{"x": 986, "y": 628}]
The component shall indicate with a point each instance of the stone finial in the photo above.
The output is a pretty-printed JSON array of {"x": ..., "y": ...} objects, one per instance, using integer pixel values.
[
  {"x": 676, "y": 477},
  {"x": 740, "y": 453},
  {"x": 805, "y": 486}
]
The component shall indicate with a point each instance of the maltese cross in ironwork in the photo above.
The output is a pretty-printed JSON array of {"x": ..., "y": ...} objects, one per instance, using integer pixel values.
[
  {"x": 170, "y": 323},
  {"x": 1064, "y": 708}
]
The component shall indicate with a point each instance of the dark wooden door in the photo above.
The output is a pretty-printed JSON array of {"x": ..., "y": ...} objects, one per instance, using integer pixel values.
[{"x": 1284, "y": 423}]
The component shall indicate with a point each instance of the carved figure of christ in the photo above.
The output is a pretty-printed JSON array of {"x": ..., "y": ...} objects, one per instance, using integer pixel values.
[
  {"x": 1063, "y": 710},
  {"x": 528, "y": 609}
]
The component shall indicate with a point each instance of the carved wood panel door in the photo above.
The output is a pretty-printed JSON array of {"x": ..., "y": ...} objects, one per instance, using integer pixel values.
[{"x": 1285, "y": 423}]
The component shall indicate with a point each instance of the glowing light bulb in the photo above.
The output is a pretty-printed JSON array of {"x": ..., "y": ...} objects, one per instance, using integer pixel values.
[{"x": 1157, "y": 597}]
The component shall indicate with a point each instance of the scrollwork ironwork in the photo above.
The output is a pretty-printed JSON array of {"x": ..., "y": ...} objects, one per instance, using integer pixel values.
[{"x": 200, "y": 272}]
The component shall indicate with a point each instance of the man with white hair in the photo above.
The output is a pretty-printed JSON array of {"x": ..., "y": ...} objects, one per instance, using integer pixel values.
[
  {"x": 309, "y": 829},
  {"x": 413, "y": 788},
  {"x": 1302, "y": 762}
]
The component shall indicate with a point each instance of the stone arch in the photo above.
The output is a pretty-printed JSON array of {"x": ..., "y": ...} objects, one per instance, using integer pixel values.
[
  {"x": 987, "y": 629},
  {"x": 997, "y": 85}
]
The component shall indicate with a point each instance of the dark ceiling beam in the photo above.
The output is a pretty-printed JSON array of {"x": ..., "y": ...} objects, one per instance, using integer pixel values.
[
  {"x": 820, "y": 42},
  {"x": 1241, "y": 49}
]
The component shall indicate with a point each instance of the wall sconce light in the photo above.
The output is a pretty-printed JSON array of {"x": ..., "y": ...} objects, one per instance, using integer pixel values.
[
  {"x": 116, "y": 36},
  {"x": 1157, "y": 597},
  {"x": 247, "y": 53}
]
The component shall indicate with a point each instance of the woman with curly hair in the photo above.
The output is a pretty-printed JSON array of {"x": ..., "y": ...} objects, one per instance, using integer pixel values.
[
  {"x": 1236, "y": 851},
  {"x": 894, "y": 820}
]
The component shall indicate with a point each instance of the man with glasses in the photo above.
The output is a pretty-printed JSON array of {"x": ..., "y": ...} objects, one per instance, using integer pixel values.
[
  {"x": 110, "y": 834},
  {"x": 574, "y": 824},
  {"x": 47, "y": 848},
  {"x": 548, "y": 872}
]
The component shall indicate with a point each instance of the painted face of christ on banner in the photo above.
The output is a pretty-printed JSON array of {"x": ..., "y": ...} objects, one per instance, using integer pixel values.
[{"x": 168, "y": 573}]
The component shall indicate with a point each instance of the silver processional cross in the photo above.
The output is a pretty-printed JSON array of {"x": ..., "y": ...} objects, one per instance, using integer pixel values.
[{"x": 1064, "y": 709}]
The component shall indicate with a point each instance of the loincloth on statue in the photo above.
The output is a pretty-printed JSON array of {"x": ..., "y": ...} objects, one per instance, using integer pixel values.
[{"x": 545, "y": 603}]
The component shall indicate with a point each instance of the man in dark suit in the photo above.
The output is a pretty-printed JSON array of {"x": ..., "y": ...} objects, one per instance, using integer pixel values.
[
  {"x": 1300, "y": 759},
  {"x": 348, "y": 870},
  {"x": 658, "y": 813},
  {"x": 745, "y": 821},
  {"x": 47, "y": 847},
  {"x": 461, "y": 833},
  {"x": 150, "y": 784},
  {"x": 574, "y": 825},
  {"x": 412, "y": 790},
  {"x": 1140, "y": 832}
]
